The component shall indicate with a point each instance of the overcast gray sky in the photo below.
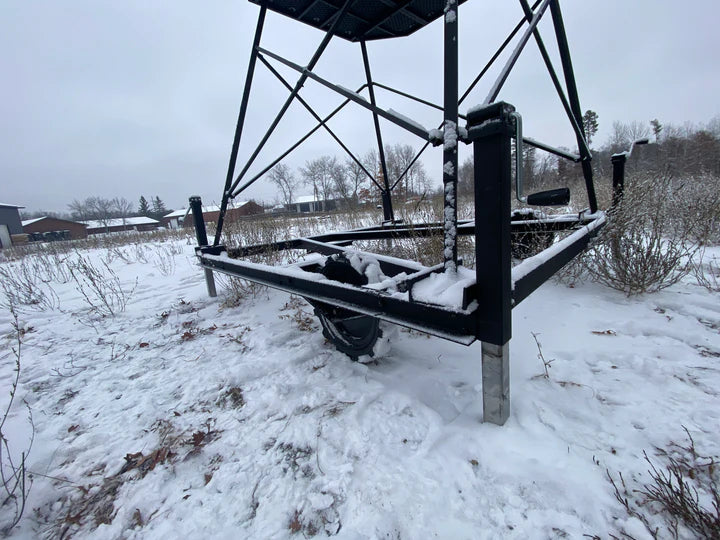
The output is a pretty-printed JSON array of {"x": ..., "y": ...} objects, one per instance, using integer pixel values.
[{"x": 141, "y": 96}]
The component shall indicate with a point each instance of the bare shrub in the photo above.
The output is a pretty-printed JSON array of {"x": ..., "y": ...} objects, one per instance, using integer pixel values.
[
  {"x": 13, "y": 472},
  {"x": 695, "y": 208},
  {"x": 647, "y": 244},
  {"x": 682, "y": 491},
  {"x": 303, "y": 319},
  {"x": 24, "y": 288},
  {"x": 236, "y": 290},
  {"x": 100, "y": 287},
  {"x": 707, "y": 272},
  {"x": 164, "y": 260}
]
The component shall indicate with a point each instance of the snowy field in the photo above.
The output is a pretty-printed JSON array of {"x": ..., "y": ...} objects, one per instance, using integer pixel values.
[{"x": 179, "y": 417}]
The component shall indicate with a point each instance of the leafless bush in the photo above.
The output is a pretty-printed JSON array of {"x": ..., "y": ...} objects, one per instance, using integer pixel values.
[
  {"x": 139, "y": 252},
  {"x": 695, "y": 208},
  {"x": 100, "y": 287},
  {"x": 13, "y": 473},
  {"x": 100, "y": 241},
  {"x": 24, "y": 289},
  {"x": 647, "y": 244},
  {"x": 164, "y": 260},
  {"x": 682, "y": 491},
  {"x": 707, "y": 272},
  {"x": 235, "y": 290}
]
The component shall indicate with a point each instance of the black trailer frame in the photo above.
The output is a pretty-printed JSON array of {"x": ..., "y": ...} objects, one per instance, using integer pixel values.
[{"x": 485, "y": 313}]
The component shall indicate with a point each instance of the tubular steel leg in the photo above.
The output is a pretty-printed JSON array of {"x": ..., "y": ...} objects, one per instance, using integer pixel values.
[
  {"x": 202, "y": 239},
  {"x": 450, "y": 150},
  {"x": 496, "y": 383}
]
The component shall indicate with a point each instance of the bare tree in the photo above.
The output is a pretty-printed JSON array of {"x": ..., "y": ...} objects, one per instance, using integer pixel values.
[
  {"x": 285, "y": 180},
  {"x": 620, "y": 137},
  {"x": 399, "y": 158},
  {"x": 356, "y": 177},
  {"x": 342, "y": 185},
  {"x": 122, "y": 208},
  {"x": 637, "y": 130},
  {"x": 466, "y": 179},
  {"x": 319, "y": 173}
]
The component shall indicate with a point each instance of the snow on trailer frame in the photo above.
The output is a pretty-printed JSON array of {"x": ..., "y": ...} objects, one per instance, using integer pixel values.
[{"x": 333, "y": 280}]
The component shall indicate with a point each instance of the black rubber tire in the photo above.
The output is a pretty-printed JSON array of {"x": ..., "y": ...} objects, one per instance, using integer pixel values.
[{"x": 352, "y": 333}]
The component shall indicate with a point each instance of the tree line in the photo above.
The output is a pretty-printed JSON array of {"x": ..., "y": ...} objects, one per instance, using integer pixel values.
[
  {"x": 352, "y": 182},
  {"x": 675, "y": 151},
  {"x": 105, "y": 209}
]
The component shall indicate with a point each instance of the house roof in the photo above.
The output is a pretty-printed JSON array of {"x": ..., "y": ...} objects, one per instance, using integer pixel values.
[
  {"x": 27, "y": 222},
  {"x": 3, "y": 205},
  {"x": 304, "y": 199},
  {"x": 205, "y": 209},
  {"x": 120, "y": 222}
]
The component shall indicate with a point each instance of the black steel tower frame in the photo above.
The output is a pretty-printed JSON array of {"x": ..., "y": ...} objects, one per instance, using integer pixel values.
[{"x": 485, "y": 314}]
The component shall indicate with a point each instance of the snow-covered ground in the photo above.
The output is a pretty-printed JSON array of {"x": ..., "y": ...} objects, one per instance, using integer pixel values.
[{"x": 179, "y": 417}]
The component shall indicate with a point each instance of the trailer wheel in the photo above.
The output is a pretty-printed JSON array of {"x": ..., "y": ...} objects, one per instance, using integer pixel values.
[{"x": 352, "y": 333}]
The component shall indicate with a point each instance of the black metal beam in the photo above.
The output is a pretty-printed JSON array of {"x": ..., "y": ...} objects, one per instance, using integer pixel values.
[
  {"x": 492, "y": 162},
  {"x": 551, "y": 149},
  {"x": 579, "y": 133},
  {"x": 240, "y": 124},
  {"x": 446, "y": 322},
  {"x": 410, "y": 96},
  {"x": 450, "y": 135},
  {"x": 298, "y": 143},
  {"x": 404, "y": 123},
  {"x": 530, "y": 274},
  {"x": 500, "y": 81},
  {"x": 388, "y": 214},
  {"x": 301, "y": 81},
  {"x": 314, "y": 114},
  {"x": 495, "y": 56},
  {"x": 569, "y": 73}
]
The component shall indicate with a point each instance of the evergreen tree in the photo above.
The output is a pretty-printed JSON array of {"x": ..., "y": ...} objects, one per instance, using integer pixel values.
[
  {"x": 144, "y": 207},
  {"x": 158, "y": 208},
  {"x": 590, "y": 125}
]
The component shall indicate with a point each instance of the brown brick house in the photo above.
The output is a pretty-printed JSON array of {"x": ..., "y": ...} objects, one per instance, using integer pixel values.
[
  {"x": 43, "y": 228},
  {"x": 174, "y": 220}
]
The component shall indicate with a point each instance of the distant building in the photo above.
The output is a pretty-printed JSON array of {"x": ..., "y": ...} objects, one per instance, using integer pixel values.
[
  {"x": 10, "y": 225},
  {"x": 141, "y": 223},
  {"x": 308, "y": 203},
  {"x": 49, "y": 228},
  {"x": 183, "y": 218}
]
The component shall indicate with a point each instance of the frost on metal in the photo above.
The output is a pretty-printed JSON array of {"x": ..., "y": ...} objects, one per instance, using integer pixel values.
[
  {"x": 450, "y": 135},
  {"x": 352, "y": 92},
  {"x": 435, "y": 134},
  {"x": 448, "y": 168},
  {"x": 450, "y": 11},
  {"x": 449, "y": 226},
  {"x": 406, "y": 119}
]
